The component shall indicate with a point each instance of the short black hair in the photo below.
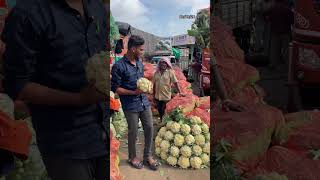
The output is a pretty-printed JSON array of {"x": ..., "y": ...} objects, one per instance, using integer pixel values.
[{"x": 134, "y": 41}]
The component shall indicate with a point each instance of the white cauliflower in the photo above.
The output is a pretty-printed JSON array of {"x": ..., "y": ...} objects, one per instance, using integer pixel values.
[
  {"x": 195, "y": 120},
  {"x": 169, "y": 124},
  {"x": 97, "y": 69},
  {"x": 112, "y": 94},
  {"x": 200, "y": 139},
  {"x": 185, "y": 129},
  {"x": 197, "y": 150},
  {"x": 163, "y": 155},
  {"x": 185, "y": 151},
  {"x": 206, "y": 148},
  {"x": 175, "y": 127},
  {"x": 158, "y": 151},
  {"x": 158, "y": 141},
  {"x": 164, "y": 146},
  {"x": 184, "y": 162},
  {"x": 207, "y": 136},
  {"x": 195, "y": 162},
  {"x": 205, "y": 128},
  {"x": 189, "y": 139},
  {"x": 178, "y": 140},
  {"x": 174, "y": 151},
  {"x": 162, "y": 132},
  {"x": 205, "y": 159},
  {"x": 196, "y": 129},
  {"x": 168, "y": 136},
  {"x": 172, "y": 160},
  {"x": 145, "y": 85}
]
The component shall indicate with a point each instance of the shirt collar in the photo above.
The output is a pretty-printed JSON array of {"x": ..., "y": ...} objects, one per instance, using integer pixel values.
[{"x": 128, "y": 61}]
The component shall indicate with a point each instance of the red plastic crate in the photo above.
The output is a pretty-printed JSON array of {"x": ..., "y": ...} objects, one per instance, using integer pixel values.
[{"x": 307, "y": 20}]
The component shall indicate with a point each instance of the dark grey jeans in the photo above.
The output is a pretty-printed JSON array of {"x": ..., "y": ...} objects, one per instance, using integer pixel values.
[
  {"x": 59, "y": 168},
  {"x": 147, "y": 123}
]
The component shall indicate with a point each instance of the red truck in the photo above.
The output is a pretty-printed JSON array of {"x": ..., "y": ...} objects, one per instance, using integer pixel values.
[{"x": 304, "y": 52}]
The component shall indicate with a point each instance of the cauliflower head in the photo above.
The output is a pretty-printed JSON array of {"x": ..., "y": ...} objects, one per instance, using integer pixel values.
[
  {"x": 206, "y": 148},
  {"x": 175, "y": 127},
  {"x": 158, "y": 151},
  {"x": 195, "y": 162},
  {"x": 185, "y": 151},
  {"x": 205, "y": 159},
  {"x": 162, "y": 132},
  {"x": 158, "y": 141},
  {"x": 196, "y": 129},
  {"x": 164, "y": 145},
  {"x": 185, "y": 129},
  {"x": 200, "y": 139},
  {"x": 172, "y": 160},
  {"x": 145, "y": 85},
  {"x": 168, "y": 136},
  {"x": 184, "y": 162},
  {"x": 174, "y": 151},
  {"x": 197, "y": 150},
  {"x": 189, "y": 139},
  {"x": 205, "y": 128},
  {"x": 169, "y": 124},
  {"x": 163, "y": 155},
  {"x": 178, "y": 140},
  {"x": 195, "y": 120}
]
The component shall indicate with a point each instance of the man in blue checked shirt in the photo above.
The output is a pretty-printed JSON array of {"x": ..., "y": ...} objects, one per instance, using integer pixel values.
[{"x": 125, "y": 74}]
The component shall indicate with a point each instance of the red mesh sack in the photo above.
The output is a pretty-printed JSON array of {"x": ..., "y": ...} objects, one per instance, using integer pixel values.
[
  {"x": 187, "y": 103},
  {"x": 289, "y": 163},
  {"x": 204, "y": 115},
  {"x": 249, "y": 133}
]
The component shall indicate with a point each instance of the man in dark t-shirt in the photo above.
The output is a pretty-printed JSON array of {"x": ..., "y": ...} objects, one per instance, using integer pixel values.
[{"x": 48, "y": 43}]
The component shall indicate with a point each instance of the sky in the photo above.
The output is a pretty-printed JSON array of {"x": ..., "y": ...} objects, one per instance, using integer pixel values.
[{"x": 159, "y": 17}]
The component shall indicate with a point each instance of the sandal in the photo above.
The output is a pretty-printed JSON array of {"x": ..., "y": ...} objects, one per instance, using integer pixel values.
[
  {"x": 137, "y": 165},
  {"x": 153, "y": 166}
]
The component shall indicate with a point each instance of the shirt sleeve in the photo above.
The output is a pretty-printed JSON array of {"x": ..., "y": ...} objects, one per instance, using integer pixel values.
[
  {"x": 173, "y": 77},
  {"x": 116, "y": 77},
  {"x": 22, "y": 44}
]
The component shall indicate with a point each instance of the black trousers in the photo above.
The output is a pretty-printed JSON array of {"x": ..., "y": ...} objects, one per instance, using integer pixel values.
[
  {"x": 161, "y": 106},
  {"x": 59, "y": 168}
]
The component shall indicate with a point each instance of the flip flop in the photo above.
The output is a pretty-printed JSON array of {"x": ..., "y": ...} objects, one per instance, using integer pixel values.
[
  {"x": 138, "y": 165},
  {"x": 153, "y": 166}
]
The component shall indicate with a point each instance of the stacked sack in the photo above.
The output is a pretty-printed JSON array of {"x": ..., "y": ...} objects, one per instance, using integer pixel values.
[{"x": 261, "y": 142}]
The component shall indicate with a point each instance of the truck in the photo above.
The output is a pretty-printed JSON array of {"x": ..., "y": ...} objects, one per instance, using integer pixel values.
[{"x": 304, "y": 55}]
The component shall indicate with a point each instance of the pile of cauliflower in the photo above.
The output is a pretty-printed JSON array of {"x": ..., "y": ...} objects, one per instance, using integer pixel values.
[
  {"x": 184, "y": 144},
  {"x": 145, "y": 85}
]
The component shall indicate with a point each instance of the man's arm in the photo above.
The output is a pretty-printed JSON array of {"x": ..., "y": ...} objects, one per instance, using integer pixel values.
[
  {"x": 175, "y": 82},
  {"x": 222, "y": 93},
  {"x": 22, "y": 41},
  {"x": 217, "y": 79},
  {"x": 116, "y": 82}
]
